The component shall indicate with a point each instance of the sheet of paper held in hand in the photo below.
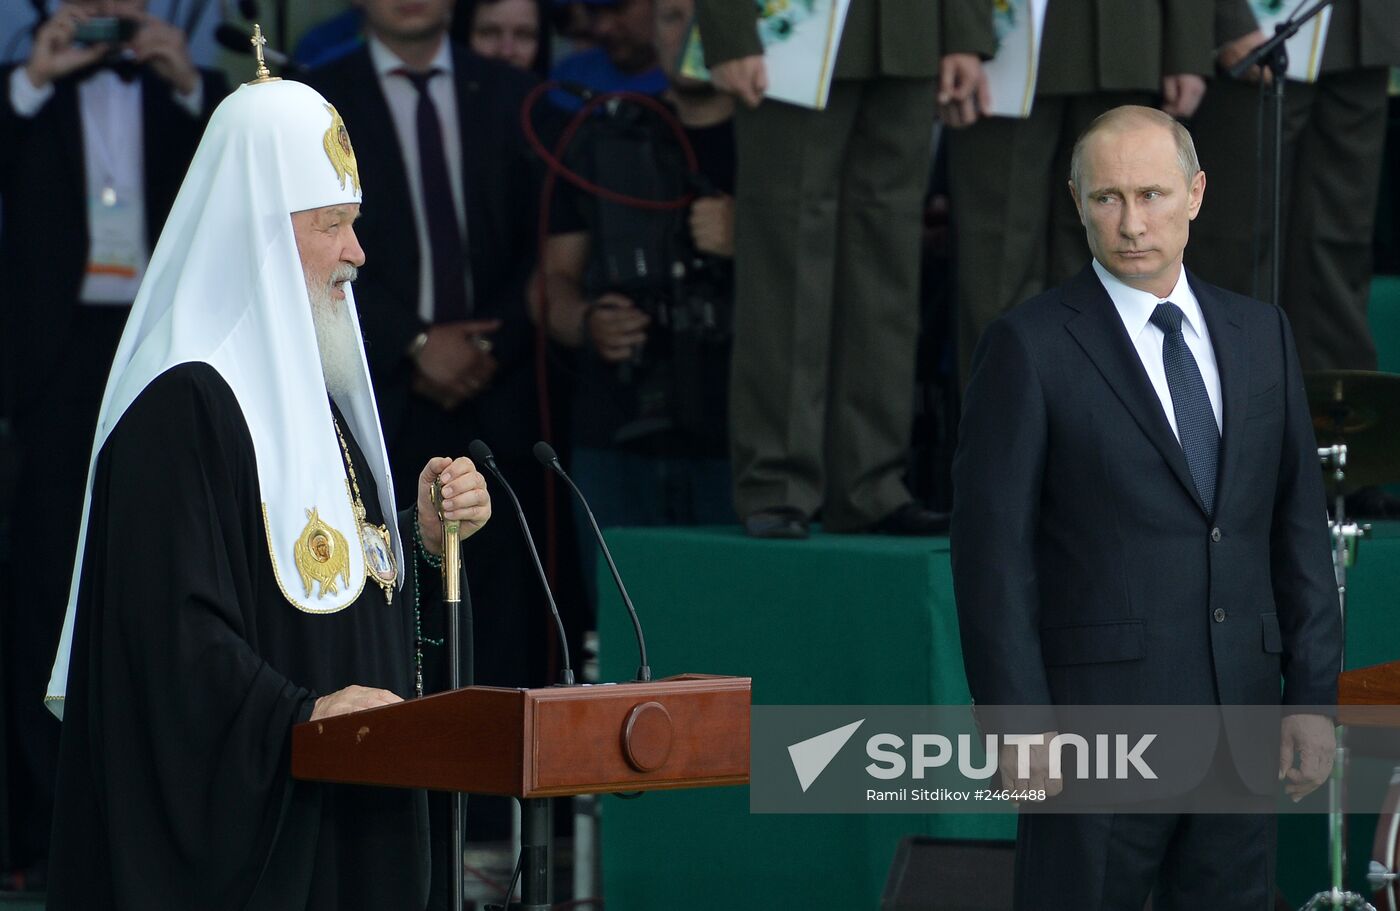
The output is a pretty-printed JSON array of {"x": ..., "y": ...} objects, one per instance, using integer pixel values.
[
  {"x": 1012, "y": 72},
  {"x": 1304, "y": 48},
  {"x": 800, "y": 39}
]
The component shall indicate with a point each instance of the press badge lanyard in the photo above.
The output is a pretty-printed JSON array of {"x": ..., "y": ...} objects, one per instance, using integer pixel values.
[{"x": 116, "y": 254}]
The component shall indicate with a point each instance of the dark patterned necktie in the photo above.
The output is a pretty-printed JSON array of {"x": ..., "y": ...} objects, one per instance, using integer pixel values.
[
  {"x": 1195, "y": 419},
  {"x": 444, "y": 236}
]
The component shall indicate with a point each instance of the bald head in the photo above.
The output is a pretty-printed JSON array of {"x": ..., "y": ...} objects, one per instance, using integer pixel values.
[
  {"x": 1135, "y": 117},
  {"x": 1137, "y": 186}
]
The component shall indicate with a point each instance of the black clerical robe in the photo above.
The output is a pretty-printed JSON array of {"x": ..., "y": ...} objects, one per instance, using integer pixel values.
[{"x": 189, "y": 669}]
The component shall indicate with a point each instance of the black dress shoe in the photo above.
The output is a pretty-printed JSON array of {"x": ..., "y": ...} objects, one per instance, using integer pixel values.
[
  {"x": 777, "y": 522},
  {"x": 913, "y": 520}
]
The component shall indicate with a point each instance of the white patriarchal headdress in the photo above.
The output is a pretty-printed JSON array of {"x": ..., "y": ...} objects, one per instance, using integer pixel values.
[{"x": 225, "y": 287}]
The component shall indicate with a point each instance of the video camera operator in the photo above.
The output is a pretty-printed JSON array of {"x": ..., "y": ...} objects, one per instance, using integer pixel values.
[{"x": 644, "y": 298}]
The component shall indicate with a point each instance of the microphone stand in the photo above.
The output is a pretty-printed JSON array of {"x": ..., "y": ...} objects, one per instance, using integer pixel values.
[
  {"x": 282, "y": 10},
  {"x": 452, "y": 600},
  {"x": 1345, "y": 538},
  {"x": 1272, "y": 55}
]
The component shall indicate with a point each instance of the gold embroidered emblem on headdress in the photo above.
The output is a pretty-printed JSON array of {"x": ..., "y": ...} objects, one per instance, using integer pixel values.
[
  {"x": 339, "y": 151},
  {"x": 321, "y": 555}
]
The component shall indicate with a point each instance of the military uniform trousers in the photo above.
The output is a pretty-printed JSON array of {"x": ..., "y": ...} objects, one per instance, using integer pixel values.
[
  {"x": 826, "y": 316},
  {"x": 1015, "y": 225},
  {"x": 1333, "y": 138}
]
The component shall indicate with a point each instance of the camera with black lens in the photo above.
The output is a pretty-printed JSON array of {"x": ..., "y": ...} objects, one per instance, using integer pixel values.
[
  {"x": 679, "y": 375},
  {"x": 106, "y": 30},
  {"x": 677, "y": 381}
]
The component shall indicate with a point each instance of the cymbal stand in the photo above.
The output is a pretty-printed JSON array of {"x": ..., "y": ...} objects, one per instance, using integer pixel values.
[{"x": 1345, "y": 537}]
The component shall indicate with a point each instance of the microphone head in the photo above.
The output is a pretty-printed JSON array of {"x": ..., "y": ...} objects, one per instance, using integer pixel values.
[
  {"x": 481, "y": 454},
  {"x": 232, "y": 38},
  {"x": 545, "y": 455}
]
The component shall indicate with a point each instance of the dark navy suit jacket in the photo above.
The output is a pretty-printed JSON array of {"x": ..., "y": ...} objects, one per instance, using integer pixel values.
[{"x": 1087, "y": 570}]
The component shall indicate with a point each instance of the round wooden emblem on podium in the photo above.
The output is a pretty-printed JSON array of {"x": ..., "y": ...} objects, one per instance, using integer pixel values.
[{"x": 646, "y": 737}]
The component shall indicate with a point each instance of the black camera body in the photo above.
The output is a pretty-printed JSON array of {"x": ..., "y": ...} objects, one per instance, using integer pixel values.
[
  {"x": 106, "y": 30},
  {"x": 686, "y": 356},
  {"x": 649, "y": 257}
]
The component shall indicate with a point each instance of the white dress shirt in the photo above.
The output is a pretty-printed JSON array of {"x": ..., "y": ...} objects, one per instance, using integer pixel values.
[
  {"x": 113, "y": 162},
  {"x": 402, "y": 97},
  {"x": 1135, "y": 308}
]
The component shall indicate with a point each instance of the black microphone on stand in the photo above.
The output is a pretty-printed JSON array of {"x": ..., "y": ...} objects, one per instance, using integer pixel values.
[
  {"x": 481, "y": 455},
  {"x": 546, "y": 456},
  {"x": 1272, "y": 56},
  {"x": 233, "y": 38}
]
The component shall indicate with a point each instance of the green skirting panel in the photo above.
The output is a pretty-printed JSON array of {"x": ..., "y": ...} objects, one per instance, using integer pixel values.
[
  {"x": 1384, "y": 313},
  {"x": 835, "y": 619},
  {"x": 841, "y": 620}
]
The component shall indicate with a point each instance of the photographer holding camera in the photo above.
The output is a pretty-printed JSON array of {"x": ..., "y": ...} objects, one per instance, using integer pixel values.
[
  {"x": 644, "y": 297},
  {"x": 99, "y": 126}
]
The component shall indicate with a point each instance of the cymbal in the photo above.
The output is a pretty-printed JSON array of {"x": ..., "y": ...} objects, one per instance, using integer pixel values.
[{"x": 1362, "y": 409}]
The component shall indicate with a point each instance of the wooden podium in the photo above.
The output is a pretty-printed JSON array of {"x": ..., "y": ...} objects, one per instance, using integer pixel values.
[
  {"x": 688, "y": 731},
  {"x": 1370, "y": 696}
]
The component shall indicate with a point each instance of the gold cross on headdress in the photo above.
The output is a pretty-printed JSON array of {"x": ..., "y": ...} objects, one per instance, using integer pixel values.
[{"x": 263, "y": 74}]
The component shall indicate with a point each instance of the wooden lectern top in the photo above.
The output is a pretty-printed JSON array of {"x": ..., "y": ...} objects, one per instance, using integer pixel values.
[
  {"x": 681, "y": 732},
  {"x": 1370, "y": 696}
]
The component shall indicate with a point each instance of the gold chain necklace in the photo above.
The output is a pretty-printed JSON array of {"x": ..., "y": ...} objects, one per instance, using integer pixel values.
[{"x": 378, "y": 547}]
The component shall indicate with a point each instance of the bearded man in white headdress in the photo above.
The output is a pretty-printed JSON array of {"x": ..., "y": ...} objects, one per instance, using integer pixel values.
[{"x": 242, "y": 565}]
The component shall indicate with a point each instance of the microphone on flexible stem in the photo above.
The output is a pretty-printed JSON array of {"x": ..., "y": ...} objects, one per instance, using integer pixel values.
[
  {"x": 545, "y": 455},
  {"x": 233, "y": 38},
  {"x": 481, "y": 455}
]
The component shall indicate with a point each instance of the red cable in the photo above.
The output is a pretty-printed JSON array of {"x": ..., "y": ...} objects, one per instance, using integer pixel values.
[{"x": 557, "y": 168}]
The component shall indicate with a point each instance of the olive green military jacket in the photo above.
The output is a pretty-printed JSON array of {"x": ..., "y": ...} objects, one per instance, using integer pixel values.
[
  {"x": 1363, "y": 33},
  {"x": 881, "y": 37},
  {"x": 1124, "y": 45}
]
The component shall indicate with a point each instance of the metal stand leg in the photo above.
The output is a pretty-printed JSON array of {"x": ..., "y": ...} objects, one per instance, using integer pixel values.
[
  {"x": 1337, "y": 897},
  {"x": 1343, "y": 534},
  {"x": 536, "y": 823},
  {"x": 585, "y": 846}
]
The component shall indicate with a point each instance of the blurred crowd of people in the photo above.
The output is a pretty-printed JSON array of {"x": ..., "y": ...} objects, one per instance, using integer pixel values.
[{"x": 720, "y": 310}]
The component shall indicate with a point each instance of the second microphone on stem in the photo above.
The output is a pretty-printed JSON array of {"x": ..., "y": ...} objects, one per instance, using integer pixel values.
[
  {"x": 546, "y": 456},
  {"x": 481, "y": 455}
]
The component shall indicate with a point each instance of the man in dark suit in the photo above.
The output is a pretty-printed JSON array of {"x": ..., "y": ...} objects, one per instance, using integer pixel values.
[
  {"x": 94, "y": 141},
  {"x": 1334, "y": 134},
  {"x": 448, "y": 340},
  {"x": 442, "y": 303},
  {"x": 1138, "y": 519},
  {"x": 1015, "y": 237},
  {"x": 828, "y": 208}
]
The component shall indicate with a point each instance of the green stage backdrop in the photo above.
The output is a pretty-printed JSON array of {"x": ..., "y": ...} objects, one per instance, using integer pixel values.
[{"x": 840, "y": 620}]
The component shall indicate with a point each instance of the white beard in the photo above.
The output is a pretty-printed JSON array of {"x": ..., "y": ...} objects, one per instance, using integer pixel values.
[{"x": 335, "y": 336}]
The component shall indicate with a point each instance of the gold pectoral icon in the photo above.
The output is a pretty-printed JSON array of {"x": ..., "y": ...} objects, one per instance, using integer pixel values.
[{"x": 321, "y": 555}]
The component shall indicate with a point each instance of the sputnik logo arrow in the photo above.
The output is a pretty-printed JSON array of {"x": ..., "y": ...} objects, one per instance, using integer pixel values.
[{"x": 810, "y": 757}]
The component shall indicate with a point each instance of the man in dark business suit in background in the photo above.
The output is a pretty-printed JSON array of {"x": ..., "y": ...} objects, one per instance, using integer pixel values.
[
  {"x": 1138, "y": 519},
  {"x": 443, "y": 301},
  {"x": 442, "y": 304},
  {"x": 94, "y": 142}
]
